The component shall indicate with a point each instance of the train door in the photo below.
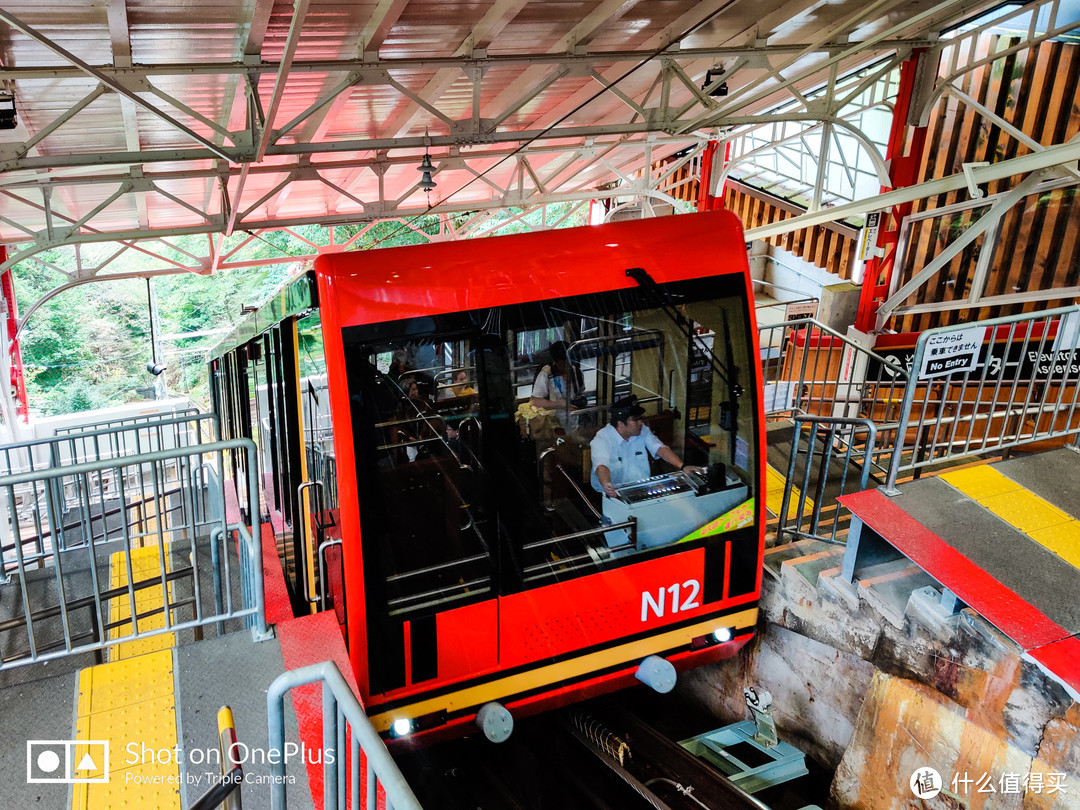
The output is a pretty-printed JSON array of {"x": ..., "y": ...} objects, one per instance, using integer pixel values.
[
  {"x": 274, "y": 476},
  {"x": 237, "y": 371},
  {"x": 319, "y": 509},
  {"x": 280, "y": 450}
]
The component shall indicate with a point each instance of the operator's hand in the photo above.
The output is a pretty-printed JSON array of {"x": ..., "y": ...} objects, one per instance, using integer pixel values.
[
  {"x": 690, "y": 468},
  {"x": 609, "y": 490}
]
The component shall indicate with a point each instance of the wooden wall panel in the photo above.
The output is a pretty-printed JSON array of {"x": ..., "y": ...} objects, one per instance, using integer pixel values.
[
  {"x": 831, "y": 247},
  {"x": 1035, "y": 90}
]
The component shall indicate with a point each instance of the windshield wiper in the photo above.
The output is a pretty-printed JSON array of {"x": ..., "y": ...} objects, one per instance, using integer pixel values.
[{"x": 728, "y": 372}]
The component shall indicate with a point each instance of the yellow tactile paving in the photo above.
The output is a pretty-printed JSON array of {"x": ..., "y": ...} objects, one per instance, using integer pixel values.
[
  {"x": 145, "y": 564},
  {"x": 980, "y": 482},
  {"x": 125, "y": 702},
  {"x": 774, "y": 495},
  {"x": 109, "y": 686},
  {"x": 137, "y": 723},
  {"x": 131, "y": 700},
  {"x": 1025, "y": 510},
  {"x": 117, "y": 793},
  {"x": 1063, "y": 539},
  {"x": 1019, "y": 507}
]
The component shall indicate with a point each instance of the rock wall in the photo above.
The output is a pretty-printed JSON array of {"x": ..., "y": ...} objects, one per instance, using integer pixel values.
[{"x": 876, "y": 695}]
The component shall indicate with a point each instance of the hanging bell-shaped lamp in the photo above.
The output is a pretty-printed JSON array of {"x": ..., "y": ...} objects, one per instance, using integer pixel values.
[{"x": 426, "y": 183}]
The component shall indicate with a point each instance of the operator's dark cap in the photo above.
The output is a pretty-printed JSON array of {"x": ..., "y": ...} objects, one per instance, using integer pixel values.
[{"x": 626, "y": 408}]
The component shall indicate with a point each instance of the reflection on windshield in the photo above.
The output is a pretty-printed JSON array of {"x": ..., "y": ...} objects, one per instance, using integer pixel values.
[{"x": 475, "y": 438}]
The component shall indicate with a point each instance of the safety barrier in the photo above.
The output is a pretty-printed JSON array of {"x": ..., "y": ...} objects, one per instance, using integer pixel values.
[
  {"x": 988, "y": 387},
  {"x": 59, "y": 604},
  {"x": 972, "y": 390},
  {"x": 109, "y": 440},
  {"x": 348, "y": 732},
  {"x": 833, "y": 448},
  {"x": 87, "y": 444},
  {"x": 123, "y": 422},
  {"x": 809, "y": 368}
]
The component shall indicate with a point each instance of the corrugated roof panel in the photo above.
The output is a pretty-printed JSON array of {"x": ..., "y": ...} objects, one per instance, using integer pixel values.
[
  {"x": 78, "y": 27},
  {"x": 196, "y": 33}
]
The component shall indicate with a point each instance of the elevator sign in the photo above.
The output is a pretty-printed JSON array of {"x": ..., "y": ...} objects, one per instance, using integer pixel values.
[
  {"x": 952, "y": 352},
  {"x": 868, "y": 248}
]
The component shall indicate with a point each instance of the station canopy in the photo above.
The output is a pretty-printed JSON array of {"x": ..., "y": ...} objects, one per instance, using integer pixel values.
[{"x": 135, "y": 118}]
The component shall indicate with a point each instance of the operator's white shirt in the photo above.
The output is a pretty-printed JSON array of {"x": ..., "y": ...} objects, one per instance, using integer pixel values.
[
  {"x": 547, "y": 386},
  {"x": 627, "y": 459}
]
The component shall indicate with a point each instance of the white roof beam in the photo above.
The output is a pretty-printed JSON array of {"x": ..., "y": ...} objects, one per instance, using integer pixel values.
[
  {"x": 460, "y": 62},
  {"x": 488, "y": 27},
  {"x": 383, "y": 18},
  {"x": 121, "y": 50},
  {"x": 746, "y": 95},
  {"x": 1051, "y": 157},
  {"x": 300, "y": 8}
]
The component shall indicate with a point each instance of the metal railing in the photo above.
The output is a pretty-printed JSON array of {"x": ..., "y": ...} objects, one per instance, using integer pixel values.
[
  {"x": 809, "y": 368},
  {"x": 59, "y": 599},
  {"x": 833, "y": 448},
  {"x": 1019, "y": 384},
  {"x": 35, "y": 520},
  {"x": 347, "y": 732},
  {"x": 93, "y": 442},
  {"x": 127, "y": 421}
]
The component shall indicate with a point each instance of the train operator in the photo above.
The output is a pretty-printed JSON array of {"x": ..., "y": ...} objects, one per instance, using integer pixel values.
[{"x": 621, "y": 449}]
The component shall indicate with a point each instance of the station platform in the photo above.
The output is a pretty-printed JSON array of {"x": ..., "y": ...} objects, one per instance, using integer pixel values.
[
  {"x": 1002, "y": 539},
  {"x": 153, "y": 704}
]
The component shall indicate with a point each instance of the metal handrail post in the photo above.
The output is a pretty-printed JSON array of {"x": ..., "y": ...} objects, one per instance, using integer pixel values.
[
  {"x": 303, "y": 557},
  {"x": 381, "y": 765},
  {"x": 323, "y": 546},
  {"x": 889, "y": 487},
  {"x": 217, "y": 535},
  {"x": 259, "y": 631},
  {"x": 329, "y": 736}
]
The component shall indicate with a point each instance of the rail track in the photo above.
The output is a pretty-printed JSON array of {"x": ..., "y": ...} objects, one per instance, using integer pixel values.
[{"x": 600, "y": 756}]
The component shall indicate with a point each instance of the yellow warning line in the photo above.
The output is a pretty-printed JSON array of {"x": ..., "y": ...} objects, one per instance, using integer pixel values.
[
  {"x": 127, "y": 702},
  {"x": 1019, "y": 507},
  {"x": 145, "y": 564},
  {"x": 774, "y": 495},
  {"x": 475, "y": 696}
]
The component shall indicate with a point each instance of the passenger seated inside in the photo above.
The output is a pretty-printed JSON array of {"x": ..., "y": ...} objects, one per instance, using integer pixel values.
[
  {"x": 622, "y": 448},
  {"x": 557, "y": 383},
  {"x": 459, "y": 388},
  {"x": 420, "y": 424}
]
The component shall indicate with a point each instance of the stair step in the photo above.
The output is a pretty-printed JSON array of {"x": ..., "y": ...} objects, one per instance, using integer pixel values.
[
  {"x": 882, "y": 572},
  {"x": 888, "y": 588},
  {"x": 776, "y": 556},
  {"x": 810, "y": 566}
]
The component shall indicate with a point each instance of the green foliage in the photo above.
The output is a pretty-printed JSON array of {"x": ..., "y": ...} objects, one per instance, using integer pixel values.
[{"x": 87, "y": 347}]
